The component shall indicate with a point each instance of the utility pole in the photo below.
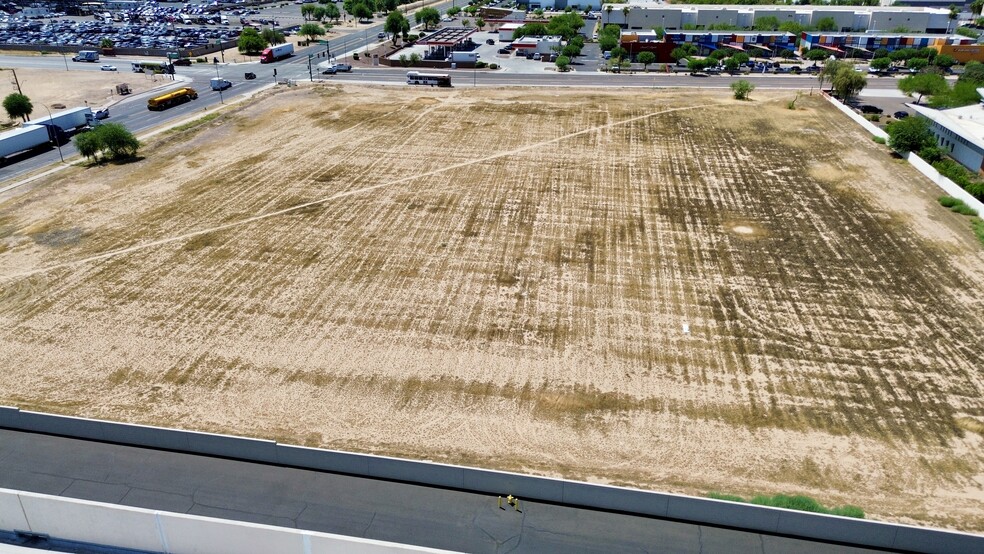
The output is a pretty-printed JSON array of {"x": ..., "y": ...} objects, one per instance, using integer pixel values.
[
  {"x": 221, "y": 101},
  {"x": 16, "y": 82},
  {"x": 310, "y": 73}
]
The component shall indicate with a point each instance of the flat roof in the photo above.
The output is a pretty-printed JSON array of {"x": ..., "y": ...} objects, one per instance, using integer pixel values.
[
  {"x": 882, "y": 34},
  {"x": 774, "y": 7},
  {"x": 967, "y": 122},
  {"x": 448, "y": 36}
]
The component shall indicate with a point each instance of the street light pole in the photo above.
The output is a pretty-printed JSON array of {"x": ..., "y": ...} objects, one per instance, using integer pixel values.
[
  {"x": 57, "y": 138},
  {"x": 221, "y": 101}
]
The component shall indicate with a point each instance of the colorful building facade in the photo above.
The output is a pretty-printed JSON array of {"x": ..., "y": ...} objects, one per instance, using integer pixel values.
[{"x": 869, "y": 42}]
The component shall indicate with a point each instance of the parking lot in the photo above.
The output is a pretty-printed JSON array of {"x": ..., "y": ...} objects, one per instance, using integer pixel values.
[{"x": 149, "y": 25}]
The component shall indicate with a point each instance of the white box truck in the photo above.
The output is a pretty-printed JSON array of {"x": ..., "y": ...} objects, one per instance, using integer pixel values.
[
  {"x": 219, "y": 84},
  {"x": 86, "y": 56},
  {"x": 23, "y": 139},
  {"x": 464, "y": 57},
  {"x": 67, "y": 120}
]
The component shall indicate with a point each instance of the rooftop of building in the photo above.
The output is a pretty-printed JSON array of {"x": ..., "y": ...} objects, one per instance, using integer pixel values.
[
  {"x": 967, "y": 121},
  {"x": 764, "y": 7}
]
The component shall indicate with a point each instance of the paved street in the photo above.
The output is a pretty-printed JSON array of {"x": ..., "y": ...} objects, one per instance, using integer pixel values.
[{"x": 349, "y": 505}]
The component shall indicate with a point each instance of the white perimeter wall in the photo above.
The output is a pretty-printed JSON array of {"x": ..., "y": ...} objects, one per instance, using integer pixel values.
[{"x": 155, "y": 531}]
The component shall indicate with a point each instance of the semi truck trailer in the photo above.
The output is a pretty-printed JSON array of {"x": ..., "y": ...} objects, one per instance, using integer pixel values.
[
  {"x": 69, "y": 120},
  {"x": 275, "y": 53},
  {"x": 23, "y": 139}
]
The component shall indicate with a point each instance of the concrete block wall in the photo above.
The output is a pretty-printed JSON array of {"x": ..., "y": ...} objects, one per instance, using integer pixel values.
[
  {"x": 948, "y": 186},
  {"x": 155, "y": 531},
  {"x": 863, "y": 533},
  {"x": 868, "y": 126}
]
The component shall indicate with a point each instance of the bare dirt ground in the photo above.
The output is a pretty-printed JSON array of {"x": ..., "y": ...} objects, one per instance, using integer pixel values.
[
  {"x": 659, "y": 289},
  {"x": 74, "y": 88}
]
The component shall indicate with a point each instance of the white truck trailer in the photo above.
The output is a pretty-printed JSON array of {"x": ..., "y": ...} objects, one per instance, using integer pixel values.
[
  {"x": 275, "y": 53},
  {"x": 22, "y": 139},
  {"x": 68, "y": 120}
]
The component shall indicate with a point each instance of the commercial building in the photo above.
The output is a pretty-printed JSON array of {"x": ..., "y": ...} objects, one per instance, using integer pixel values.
[
  {"x": 839, "y": 43},
  {"x": 768, "y": 44},
  {"x": 963, "y": 52},
  {"x": 752, "y": 42},
  {"x": 536, "y": 45},
  {"x": 959, "y": 131},
  {"x": 577, "y": 5},
  {"x": 645, "y": 15}
]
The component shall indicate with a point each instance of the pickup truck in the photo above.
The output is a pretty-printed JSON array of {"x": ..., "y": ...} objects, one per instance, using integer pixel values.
[{"x": 336, "y": 68}]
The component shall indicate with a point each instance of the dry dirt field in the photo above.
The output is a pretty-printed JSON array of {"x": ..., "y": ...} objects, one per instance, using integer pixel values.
[
  {"x": 74, "y": 88},
  {"x": 657, "y": 288}
]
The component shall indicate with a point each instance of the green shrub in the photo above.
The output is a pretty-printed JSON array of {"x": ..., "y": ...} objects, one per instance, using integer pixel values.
[
  {"x": 728, "y": 497},
  {"x": 480, "y": 65},
  {"x": 977, "y": 224},
  {"x": 201, "y": 60},
  {"x": 879, "y": 140},
  {"x": 963, "y": 209},
  {"x": 932, "y": 154},
  {"x": 956, "y": 205},
  {"x": 797, "y": 502},
  {"x": 848, "y": 511},
  {"x": 801, "y": 503},
  {"x": 493, "y": 66},
  {"x": 959, "y": 175},
  {"x": 873, "y": 117},
  {"x": 975, "y": 188}
]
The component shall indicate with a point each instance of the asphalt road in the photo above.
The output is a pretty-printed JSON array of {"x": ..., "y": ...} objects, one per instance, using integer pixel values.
[
  {"x": 350, "y": 506},
  {"x": 132, "y": 111}
]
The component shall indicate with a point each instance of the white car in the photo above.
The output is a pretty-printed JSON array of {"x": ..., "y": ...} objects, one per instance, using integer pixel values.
[{"x": 107, "y": 67}]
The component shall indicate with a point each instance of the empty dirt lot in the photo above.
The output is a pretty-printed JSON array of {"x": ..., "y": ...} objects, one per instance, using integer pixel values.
[{"x": 657, "y": 289}]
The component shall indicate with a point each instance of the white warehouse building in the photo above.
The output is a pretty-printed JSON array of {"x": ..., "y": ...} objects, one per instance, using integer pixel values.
[
  {"x": 645, "y": 15},
  {"x": 958, "y": 131}
]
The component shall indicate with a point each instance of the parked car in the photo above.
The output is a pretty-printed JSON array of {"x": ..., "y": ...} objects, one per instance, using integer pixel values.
[
  {"x": 900, "y": 114},
  {"x": 490, "y": 41},
  {"x": 868, "y": 108},
  {"x": 505, "y": 51},
  {"x": 107, "y": 67},
  {"x": 537, "y": 56}
]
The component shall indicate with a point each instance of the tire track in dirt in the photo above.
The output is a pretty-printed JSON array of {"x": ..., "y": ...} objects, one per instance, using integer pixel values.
[{"x": 340, "y": 195}]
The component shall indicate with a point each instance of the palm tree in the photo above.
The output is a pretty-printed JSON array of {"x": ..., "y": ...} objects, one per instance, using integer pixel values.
[
  {"x": 608, "y": 11},
  {"x": 625, "y": 16}
]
